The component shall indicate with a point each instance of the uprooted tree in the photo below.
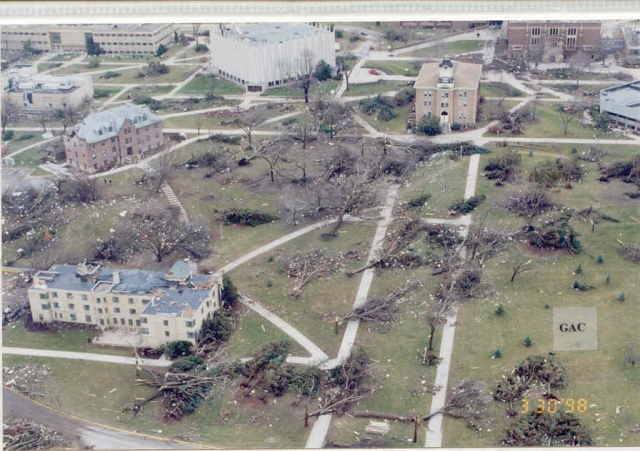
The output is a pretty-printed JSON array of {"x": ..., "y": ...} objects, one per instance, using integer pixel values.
[
  {"x": 558, "y": 429},
  {"x": 529, "y": 203}
]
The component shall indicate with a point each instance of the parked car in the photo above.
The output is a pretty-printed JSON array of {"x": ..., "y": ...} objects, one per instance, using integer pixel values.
[
  {"x": 371, "y": 47},
  {"x": 364, "y": 33},
  {"x": 375, "y": 72}
]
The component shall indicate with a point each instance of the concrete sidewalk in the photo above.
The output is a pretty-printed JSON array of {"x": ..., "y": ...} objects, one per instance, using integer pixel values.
[{"x": 84, "y": 356}]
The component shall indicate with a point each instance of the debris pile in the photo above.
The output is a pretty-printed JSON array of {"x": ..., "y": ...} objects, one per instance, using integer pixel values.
[
  {"x": 23, "y": 434},
  {"x": 27, "y": 379}
]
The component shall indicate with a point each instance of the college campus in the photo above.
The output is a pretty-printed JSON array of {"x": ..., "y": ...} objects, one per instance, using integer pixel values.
[{"x": 351, "y": 234}]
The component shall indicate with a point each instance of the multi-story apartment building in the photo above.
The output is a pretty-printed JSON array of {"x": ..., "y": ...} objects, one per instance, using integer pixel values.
[
  {"x": 38, "y": 93},
  {"x": 553, "y": 41},
  {"x": 158, "y": 306},
  {"x": 138, "y": 39},
  {"x": 449, "y": 91},
  {"x": 622, "y": 104},
  {"x": 121, "y": 134},
  {"x": 260, "y": 56}
]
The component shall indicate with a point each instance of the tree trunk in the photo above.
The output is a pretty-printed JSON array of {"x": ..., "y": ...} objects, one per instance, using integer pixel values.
[
  {"x": 306, "y": 94},
  {"x": 431, "y": 335},
  {"x": 336, "y": 227},
  {"x": 271, "y": 174}
]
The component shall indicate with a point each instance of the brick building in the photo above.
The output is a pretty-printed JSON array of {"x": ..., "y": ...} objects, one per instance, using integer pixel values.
[
  {"x": 118, "y": 135},
  {"x": 553, "y": 41},
  {"x": 140, "y": 39},
  {"x": 448, "y": 90},
  {"x": 153, "y": 307}
]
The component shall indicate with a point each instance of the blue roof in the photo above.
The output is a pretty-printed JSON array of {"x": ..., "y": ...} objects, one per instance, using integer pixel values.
[
  {"x": 173, "y": 302},
  {"x": 180, "y": 270}
]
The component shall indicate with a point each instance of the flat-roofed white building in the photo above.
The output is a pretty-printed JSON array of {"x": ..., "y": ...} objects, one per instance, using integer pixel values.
[
  {"x": 622, "y": 104},
  {"x": 262, "y": 56},
  {"x": 37, "y": 93}
]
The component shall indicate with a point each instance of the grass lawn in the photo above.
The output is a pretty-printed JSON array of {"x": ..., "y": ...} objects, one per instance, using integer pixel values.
[
  {"x": 67, "y": 339},
  {"x": 441, "y": 177},
  {"x": 548, "y": 124},
  {"x": 16, "y": 143},
  {"x": 322, "y": 300},
  {"x": 497, "y": 89},
  {"x": 47, "y": 66},
  {"x": 85, "y": 389},
  {"x": 449, "y": 48},
  {"x": 152, "y": 90},
  {"x": 200, "y": 86},
  {"x": 396, "y": 125},
  {"x": 39, "y": 172},
  {"x": 30, "y": 157},
  {"x": 325, "y": 89},
  {"x": 103, "y": 93},
  {"x": 598, "y": 376},
  {"x": 391, "y": 67},
  {"x": 176, "y": 74},
  {"x": 82, "y": 68},
  {"x": 63, "y": 57},
  {"x": 190, "y": 122},
  {"x": 366, "y": 89},
  {"x": 489, "y": 109}
]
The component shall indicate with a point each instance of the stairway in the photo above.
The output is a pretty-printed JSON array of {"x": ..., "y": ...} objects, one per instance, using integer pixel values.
[{"x": 173, "y": 200}]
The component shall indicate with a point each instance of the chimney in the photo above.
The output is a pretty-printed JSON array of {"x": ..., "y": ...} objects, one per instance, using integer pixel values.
[{"x": 116, "y": 277}]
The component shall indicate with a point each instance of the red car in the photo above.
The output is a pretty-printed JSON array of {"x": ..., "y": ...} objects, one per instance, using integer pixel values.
[{"x": 375, "y": 72}]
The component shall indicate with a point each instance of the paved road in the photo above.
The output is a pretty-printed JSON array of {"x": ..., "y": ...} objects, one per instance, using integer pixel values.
[
  {"x": 82, "y": 433},
  {"x": 84, "y": 356}
]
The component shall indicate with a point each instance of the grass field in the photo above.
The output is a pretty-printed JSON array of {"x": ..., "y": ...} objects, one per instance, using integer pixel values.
[
  {"x": 325, "y": 89},
  {"x": 83, "y": 68},
  {"x": 176, "y": 74},
  {"x": 200, "y": 86},
  {"x": 150, "y": 90},
  {"x": 497, "y": 89},
  {"x": 367, "y": 89},
  {"x": 448, "y": 48},
  {"x": 489, "y": 109},
  {"x": 102, "y": 93},
  {"x": 598, "y": 376},
  {"x": 396, "y": 125},
  {"x": 391, "y": 67},
  {"x": 16, "y": 144}
]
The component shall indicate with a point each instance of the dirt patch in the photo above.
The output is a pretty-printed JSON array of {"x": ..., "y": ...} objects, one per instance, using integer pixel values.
[{"x": 542, "y": 252}]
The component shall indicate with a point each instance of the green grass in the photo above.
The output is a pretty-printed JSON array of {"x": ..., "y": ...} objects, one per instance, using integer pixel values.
[
  {"x": 548, "y": 124},
  {"x": 47, "y": 66},
  {"x": 200, "y": 86},
  {"x": 30, "y": 157},
  {"x": 449, "y": 48},
  {"x": 63, "y": 57},
  {"x": 366, "y": 89},
  {"x": 396, "y": 125},
  {"x": 497, "y": 89},
  {"x": 150, "y": 90},
  {"x": 17, "y": 144},
  {"x": 83, "y": 68},
  {"x": 391, "y": 67},
  {"x": 489, "y": 109},
  {"x": 325, "y": 89},
  {"x": 441, "y": 177},
  {"x": 176, "y": 74},
  {"x": 109, "y": 90},
  {"x": 17, "y": 336},
  {"x": 190, "y": 122},
  {"x": 599, "y": 376}
]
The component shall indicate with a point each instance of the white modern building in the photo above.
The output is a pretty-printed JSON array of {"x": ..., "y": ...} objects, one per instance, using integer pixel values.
[
  {"x": 266, "y": 55},
  {"x": 37, "y": 93},
  {"x": 622, "y": 104}
]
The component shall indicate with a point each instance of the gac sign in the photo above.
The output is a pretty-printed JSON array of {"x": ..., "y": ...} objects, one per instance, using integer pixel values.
[{"x": 569, "y": 327}]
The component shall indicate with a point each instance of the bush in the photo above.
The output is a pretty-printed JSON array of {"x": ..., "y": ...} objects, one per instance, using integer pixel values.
[
  {"x": 323, "y": 71},
  {"x": 504, "y": 168},
  {"x": 248, "y": 217},
  {"x": 608, "y": 279},
  {"x": 229, "y": 291},
  {"x": 201, "y": 48},
  {"x": 499, "y": 311},
  {"x": 354, "y": 38},
  {"x": 456, "y": 126},
  {"x": 162, "y": 49},
  {"x": 580, "y": 286},
  {"x": 600, "y": 258},
  {"x": 339, "y": 34},
  {"x": 111, "y": 74},
  {"x": 148, "y": 101},
  {"x": 404, "y": 96},
  {"x": 101, "y": 93},
  {"x": 466, "y": 206},
  {"x": 93, "y": 63},
  {"x": 527, "y": 342},
  {"x": 556, "y": 234},
  {"x": 578, "y": 270},
  {"x": 429, "y": 127},
  {"x": 178, "y": 348},
  {"x": 7, "y": 135},
  {"x": 187, "y": 364},
  {"x": 418, "y": 201},
  {"x": 497, "y": 354},
  {"x": 289, "y": 121},
  {"x": 25, "y": 137},
  {"x": 621, "y": 298},
  {"x": 217, "y": 328}
]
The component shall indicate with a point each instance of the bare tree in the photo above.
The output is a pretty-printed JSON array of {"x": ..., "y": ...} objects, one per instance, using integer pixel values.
[
  {"x": 567, "y": 115},
  {"x": 247, "y": 121},
  {"x": 304, "y": 69},
  {"x": 519, "y": 267},
  {"x": 529, "y": 203},
  {"x": 67, "y": 116},
  {"x": 198, "y": 120},
  {"x": 161, "y": 170},
  {"x": 384, "y": 309},
  {"x": 195, "y": 27},
  {"x": 10, "y": 111},
  {"x": 44, "y": 118},
  {"x": 314, "y": 264},
  {"x": 578, "y": 63}
]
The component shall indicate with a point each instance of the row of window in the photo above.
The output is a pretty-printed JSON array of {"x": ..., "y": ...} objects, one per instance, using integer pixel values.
[
  {"x": 86, "y": 307},
  {"x": 85, "y": 297},
  {"x": 168, "y": 334},
  {"x": 462, "y": 104},
  {"x": 446, "y": 94},
  {"x": 461, "y": 115},
  {"x": 553, "y": 32}
]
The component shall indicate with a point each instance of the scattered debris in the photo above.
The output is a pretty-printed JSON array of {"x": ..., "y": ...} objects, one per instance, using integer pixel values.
[
  {"x": 23, "y": 434},
  {"x": 27, "y": 379}
]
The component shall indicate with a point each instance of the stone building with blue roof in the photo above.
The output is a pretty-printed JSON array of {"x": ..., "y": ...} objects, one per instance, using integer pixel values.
[{"x": 158, "y": 306}]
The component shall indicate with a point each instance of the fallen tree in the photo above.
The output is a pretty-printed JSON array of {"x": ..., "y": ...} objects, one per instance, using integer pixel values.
[{"x": 22, "y": 434}]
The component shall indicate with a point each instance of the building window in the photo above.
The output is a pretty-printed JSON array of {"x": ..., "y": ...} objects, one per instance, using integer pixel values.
[
  {"x": 73, "y": 317},
  {"x": 445, "y": 95},
  {"x": 56, "y": 305},
  {"x": 145, "y": 330},
  {"x": 122, "y": 321},
  {"x": 116, "y": 300},
  {"x": 191, "y": 335},
  {"x": 517, "y": 47},
  {"x": 425, "y": 104},
  {"x": 84, "y": 297},
  {"x": 535, "y": 41},
  {"x": 535, "y": 32},
  {"x": 166, "y": 322},
  {"x": 46, "y": 306},
  {"x": 86, "y": 308},
  {"x": 587, "y": 47},
  {"x": 444, "y": 105},
  {"x": 138, "y": 322},
  {"x": 190, "y": 323},
  {"x": 572, "y": 31},
  {"x": 54, "y": 294},
  {"x": 145, "y": 301},
  {"x": 87, "y": 318},
  {"x": 98, "y": 300},
  {"x": 130, "y": 322},
  {"x": 429, "y": 103},
  {"x": 428, "y": 114},
  {"x": 41, "y": 317},
  {"x": 101, "y": 322},
  {"x": 553, "y": 32},
  {"x": 571, "y": 43},
  {"x": 71, "y": 306},
  {"x": 43, "y": 295},
  {"x": 166, "y": 333},
  {"x": 132, "y": 311},
  {"x": 130, "y": 300},
  {"x": 116, "y": 310},
  {"x": 69, "y": 295},
  {"x": 462, "y": 115},
  {"x": 100, "y": 311}
]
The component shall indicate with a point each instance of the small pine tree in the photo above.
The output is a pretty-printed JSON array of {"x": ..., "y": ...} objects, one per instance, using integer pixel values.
[
  {"x": 531, "y": 153},
  {"x": 499, "y": 311},
  {"x": 608, "y": 279},
  {"x": 621, "y": 298},
  {"x": 579, "y": 269},
  {"x": 497, "y": 354},
  {"x": 547, "y": 305},
  {"x": 574, "y": 150},
  {"x": 527, "y": 342},
  {"x": 600, "y": 258}
]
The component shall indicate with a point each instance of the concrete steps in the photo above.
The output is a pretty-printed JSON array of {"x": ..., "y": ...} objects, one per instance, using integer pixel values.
[{"x": 173, "y": 200}]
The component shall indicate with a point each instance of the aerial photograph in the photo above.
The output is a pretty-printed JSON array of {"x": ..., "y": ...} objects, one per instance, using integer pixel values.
[{"x": 321, "y": 235}]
